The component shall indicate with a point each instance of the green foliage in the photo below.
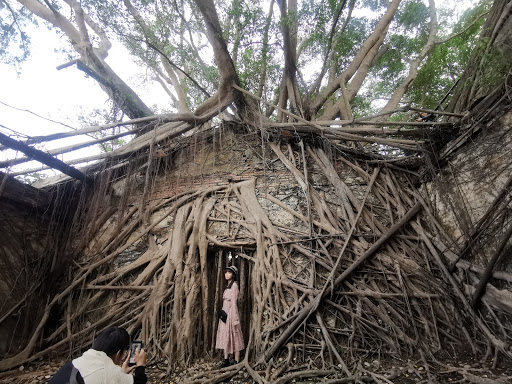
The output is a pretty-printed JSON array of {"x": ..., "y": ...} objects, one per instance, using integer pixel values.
[
  {"x": 346, "y": 45},
  {"x": 31, "y": 178},
  {"x": 362, "y": 106},
  {"x": 375, "y": 5},
  {"x": 447, "y": 61},
  {"x": 413, "y": 15},
  {"x": 440, "y": 69},
  {"x": 176, "y": 29},
  {"x": 14, "y": 40},
  {"x": 409, "y": 35}
]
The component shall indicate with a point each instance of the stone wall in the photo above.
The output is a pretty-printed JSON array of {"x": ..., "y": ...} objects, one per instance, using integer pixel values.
[
  {"x": 466, "y": 187},
  {"x": 236, "y": 158},
  {"x": 25, "y": 237}
]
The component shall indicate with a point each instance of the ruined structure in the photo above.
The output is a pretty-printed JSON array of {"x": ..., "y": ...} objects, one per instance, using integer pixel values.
[{"x": 349, "y": 244}]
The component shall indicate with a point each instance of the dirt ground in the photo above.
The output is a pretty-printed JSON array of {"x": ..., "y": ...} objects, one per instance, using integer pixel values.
[{"x": 398, "y": 372}]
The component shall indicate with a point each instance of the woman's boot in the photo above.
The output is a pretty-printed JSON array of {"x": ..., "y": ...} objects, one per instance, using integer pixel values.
[{"x": 225, "y": 364}]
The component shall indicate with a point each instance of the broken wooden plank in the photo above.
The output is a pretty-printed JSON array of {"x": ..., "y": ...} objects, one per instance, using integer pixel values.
[
  {"x": 66, "y": 149},
  {"x": 43, "y": 157}
]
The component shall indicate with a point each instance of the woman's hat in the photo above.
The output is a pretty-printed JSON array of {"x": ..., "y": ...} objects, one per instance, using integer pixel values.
[{"x": 232, "y": 269}]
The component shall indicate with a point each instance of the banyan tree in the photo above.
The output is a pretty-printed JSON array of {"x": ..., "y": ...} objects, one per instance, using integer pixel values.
[{"x": 383, "y": 236}]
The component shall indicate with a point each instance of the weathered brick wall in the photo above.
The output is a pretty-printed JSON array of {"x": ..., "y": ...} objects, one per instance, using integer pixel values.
[
  {"x": 237, "y": 158},
  {"x": 460, "y": 194},
  {"x": 25, "y": 244},
  {"x": 463, "y": 190}
]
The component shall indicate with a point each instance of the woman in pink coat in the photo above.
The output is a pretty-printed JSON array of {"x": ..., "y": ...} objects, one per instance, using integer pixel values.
[{"x": 229, "y": 333}]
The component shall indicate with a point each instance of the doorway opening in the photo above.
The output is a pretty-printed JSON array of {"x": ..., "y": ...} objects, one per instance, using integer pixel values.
[{"x": 218, "y": 259}]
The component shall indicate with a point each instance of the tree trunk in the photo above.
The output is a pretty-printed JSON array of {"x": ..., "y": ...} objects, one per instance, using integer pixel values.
[
  {"x": 227, "y": 72},
  {"x": 289, "y": 86},
  {"x": 376, "y": 36},
  {"x": 122, "y": 95},
  {"x": 490, "y": 61}
]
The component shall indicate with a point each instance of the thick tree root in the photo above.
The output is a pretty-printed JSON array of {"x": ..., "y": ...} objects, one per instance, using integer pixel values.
[{"x": 355, "y": 271}]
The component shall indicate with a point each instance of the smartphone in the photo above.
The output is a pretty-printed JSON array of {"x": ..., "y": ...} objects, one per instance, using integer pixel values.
[{"x": 136, "y": 344}]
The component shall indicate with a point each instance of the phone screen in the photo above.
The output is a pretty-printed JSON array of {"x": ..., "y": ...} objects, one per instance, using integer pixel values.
[{"x": 136, "y": 344}]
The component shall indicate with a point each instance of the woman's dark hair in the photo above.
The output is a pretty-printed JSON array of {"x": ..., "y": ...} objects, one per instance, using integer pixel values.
[
  {"x": 111, "y": 340},
  {"x": 234, "y": 274}
]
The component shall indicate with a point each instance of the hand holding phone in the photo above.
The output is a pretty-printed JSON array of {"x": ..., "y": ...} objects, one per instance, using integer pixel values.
[{"x": 136, "y": 345}]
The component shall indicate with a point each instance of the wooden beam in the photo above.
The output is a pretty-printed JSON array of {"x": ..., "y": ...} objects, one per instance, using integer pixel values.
[
  {"x": 66, "y": 149},
  {"x": 120, "y": 153},
  {"x": 43, "y": 157},
  {"x": 71, "y": 162},
  {"x": 87, "y": 130},
  {"x": 164, "y": 118}
]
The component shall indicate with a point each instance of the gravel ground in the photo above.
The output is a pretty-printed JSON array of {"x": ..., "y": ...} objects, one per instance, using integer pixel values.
[{"x": 404, "y": 372}]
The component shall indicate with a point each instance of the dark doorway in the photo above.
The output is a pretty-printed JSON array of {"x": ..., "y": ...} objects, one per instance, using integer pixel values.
[{"x": 218, "y": 259}]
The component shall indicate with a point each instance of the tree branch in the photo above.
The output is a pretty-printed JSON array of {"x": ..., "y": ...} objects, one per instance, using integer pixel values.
[
  {"x": 415, "y": 64},
  {"x": 346, "y": 75},
  {"x": 163, "y": 55},
  {"x": 445, "y": 40},
  {"x": 264, "y": 52},
  {"x": 316, "y": 83}
]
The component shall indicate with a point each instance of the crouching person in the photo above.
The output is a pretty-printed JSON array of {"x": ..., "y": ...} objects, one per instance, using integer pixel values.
[{"x": 107, "y": 362}]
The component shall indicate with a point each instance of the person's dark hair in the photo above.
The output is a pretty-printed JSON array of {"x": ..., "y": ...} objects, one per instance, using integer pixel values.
[
  {"x": 111, "y": 340},
  {"x": 234, "y": 271}
]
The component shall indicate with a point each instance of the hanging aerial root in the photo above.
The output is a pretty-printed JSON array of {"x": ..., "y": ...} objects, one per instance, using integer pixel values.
[{"x": 331, "y": 268}]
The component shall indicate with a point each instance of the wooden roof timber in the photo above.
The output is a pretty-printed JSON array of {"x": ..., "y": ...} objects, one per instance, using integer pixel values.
[
  {"x": 188, "y": 119},
  {"x": 83, "y": 131},
  {"x": 164, "y": 118},
  {"x": 66, "y": 149},
  {"x": 169, "y": 130},
  {"x": 166, "y": 131},
  {"x": 43, "y": 157}
]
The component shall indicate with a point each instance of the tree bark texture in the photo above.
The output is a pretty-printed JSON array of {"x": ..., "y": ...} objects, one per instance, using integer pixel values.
[
  {"x": 122, "y": 95},
  {"x": 489, "y": 64}
]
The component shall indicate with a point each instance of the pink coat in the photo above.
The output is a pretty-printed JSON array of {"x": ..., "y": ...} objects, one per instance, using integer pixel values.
[{"x": 229, "y": 334}]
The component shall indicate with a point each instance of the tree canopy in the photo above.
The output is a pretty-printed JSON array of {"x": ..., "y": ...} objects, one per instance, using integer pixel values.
[{"x": 319, "y": 59}]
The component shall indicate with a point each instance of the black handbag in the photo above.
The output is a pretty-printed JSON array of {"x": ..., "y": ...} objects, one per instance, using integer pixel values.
[{"x": 223, "y": 315}]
